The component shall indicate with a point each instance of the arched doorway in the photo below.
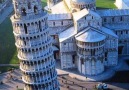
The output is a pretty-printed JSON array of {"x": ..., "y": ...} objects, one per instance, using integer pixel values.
[{"x": 120, "y": 49}]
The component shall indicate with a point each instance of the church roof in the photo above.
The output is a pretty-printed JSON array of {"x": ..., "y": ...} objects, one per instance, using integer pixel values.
[
  {"x": 59, "y": 16},
  {"x": 60, "y": 8},
  {"x": 83, "y": 1},
  {"x": 78, "y": 15},
  {"x": 113, "y": 12},
  {"x": 90, "y": 35},
  {"x": 67, "y": 34},
  {"x": 109, "y": 32}
]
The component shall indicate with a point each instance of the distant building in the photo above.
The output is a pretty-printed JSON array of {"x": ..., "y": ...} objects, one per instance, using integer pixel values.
[
  {"x": 86, "y": 38},
  {"x": 34, "y": 45},
  {"x": 122, "y": 4}
]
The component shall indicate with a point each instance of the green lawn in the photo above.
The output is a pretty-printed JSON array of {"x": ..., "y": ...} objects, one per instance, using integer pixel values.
[
  {"x": 7, "y": 48},
  {"x": 105, "y": 4},
  {"x": 44, "y": 2}
]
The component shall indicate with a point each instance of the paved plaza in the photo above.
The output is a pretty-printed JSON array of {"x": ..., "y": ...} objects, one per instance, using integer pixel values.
[
  {"x": 68, "y": 80},
  {"x": 66, "y": 83}
]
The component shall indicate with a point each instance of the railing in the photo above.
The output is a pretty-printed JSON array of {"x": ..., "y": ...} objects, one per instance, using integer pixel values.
[
  {"x": 89, "y": 47},
  {"x": 31, "y": 17},
  {"x": 35, "y": 45},
  {"x": 36, "y": 68},
  {"x": 35, "y": 56},
  {"x": 44, "y": 81}
]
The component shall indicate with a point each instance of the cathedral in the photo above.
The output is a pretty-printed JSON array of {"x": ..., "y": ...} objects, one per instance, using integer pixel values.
[
  {"x": 86, "y": 38},
  {"x": 80, "y": 36}
]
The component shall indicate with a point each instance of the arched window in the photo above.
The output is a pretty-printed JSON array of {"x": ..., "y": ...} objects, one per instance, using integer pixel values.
[
  {"x": 53, "y": 23},
  {"x": 105, "y": 20},
  {"x": 113, "y": 19},
  {"x": 29, "y": 5},
  {"x": 121, "y": 18},
  {"x": 25, "y": 28},
  {"x": 62, "y": 23},
  {"x": 40, "y": 26},
  {"x": 35, "y": 10},
  {"x": 23, "y": 11}
]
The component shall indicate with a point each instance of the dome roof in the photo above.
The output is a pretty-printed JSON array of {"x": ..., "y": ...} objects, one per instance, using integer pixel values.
[
  {"x": 83, "y": 1},
  {"x": 90, "y": 36}
]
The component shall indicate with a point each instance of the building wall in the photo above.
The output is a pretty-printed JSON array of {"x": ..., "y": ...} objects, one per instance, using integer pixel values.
[
  {"x": 90, "y": 57},
  {"x": 111, "y": 54},
  {"x": 68, "y": 53},
  {"x": 89, "y": 20},
  {"x": 122, "y": 4}
]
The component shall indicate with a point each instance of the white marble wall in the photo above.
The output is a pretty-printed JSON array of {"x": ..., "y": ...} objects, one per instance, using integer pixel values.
[
  {"x": 112, "y": 58},
  {"x": 66, "y": 60},
  {"x": 90, "y": 67},
  {"x": 88, "y": 20}
]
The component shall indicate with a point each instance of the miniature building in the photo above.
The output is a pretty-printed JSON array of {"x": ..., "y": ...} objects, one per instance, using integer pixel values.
[
  {"x": 34, "y": 45},
  {"x": 86, "y": 38}
]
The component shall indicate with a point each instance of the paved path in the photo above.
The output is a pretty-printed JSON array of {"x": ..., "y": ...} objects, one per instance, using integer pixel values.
[
  {"x": 10, "y": 84},
  {"x": 1, "y": 65},
  {"x": 6, "y": 12}
]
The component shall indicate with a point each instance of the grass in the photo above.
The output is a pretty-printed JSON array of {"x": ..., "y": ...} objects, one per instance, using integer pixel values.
[
  {"x": 44, "y": 2},
  {"x": 8, "y": 54},
  {"x": 105, "y": 4},
  {"x": 7, "y": 47},
  {"x": 5, "y": 68}
]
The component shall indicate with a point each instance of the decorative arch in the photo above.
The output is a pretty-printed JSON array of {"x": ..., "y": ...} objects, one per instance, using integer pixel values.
[{"x": 35, "y": 9}]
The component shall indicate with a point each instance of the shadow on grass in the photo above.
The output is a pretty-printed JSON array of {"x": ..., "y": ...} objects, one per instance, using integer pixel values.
[{"x": 120, "y": 77}]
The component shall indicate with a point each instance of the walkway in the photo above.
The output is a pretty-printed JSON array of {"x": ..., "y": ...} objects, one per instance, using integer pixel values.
[
  {"x": 6, "y": 12},
  {"x": 1, "y": 65}
]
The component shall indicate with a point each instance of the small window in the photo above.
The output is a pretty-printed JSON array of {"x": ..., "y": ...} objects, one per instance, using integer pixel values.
[
  {"x": 113, "y": 19},
  {"x": 25, "y": 28},
  {"x": 126, "y": 32},
  {"x": 121, "y": 18},
  {"x": 35, "y": 10},
  {"x": 23, "y": 11},
  {"x": 62, "y": 23},
  {"x": 82, "y": 61},
  {"x": 29, "y": 5},
  {"x": 105, "y": 20},
  {"x": 53, "y": 23}
]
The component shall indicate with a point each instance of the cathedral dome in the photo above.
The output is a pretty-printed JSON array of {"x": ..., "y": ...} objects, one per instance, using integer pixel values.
[{"x": 90, "y": 36}]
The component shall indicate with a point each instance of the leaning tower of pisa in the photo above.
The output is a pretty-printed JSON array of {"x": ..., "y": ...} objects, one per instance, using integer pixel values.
[{"x": 34, "y": 45}]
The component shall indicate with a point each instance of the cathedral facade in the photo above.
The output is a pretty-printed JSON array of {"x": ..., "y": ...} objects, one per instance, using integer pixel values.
[
  {"x": 86, "y": 38},
  {"x": 34, "y": 45}
]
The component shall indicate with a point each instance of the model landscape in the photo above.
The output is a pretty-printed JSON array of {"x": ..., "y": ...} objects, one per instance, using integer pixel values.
[{"x": 83, "y": 42}]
